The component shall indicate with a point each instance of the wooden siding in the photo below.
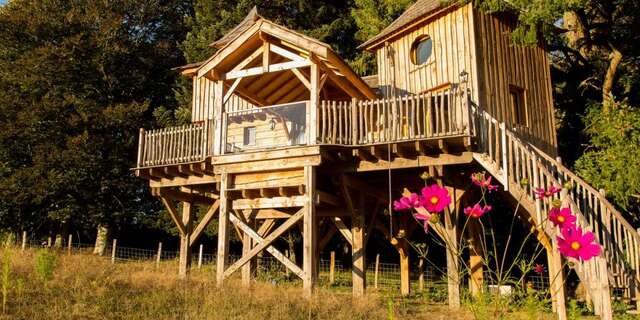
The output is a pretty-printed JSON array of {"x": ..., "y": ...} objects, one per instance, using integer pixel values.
[
  {"x": 204, "y": 97},
  {"x": 503, "y": 64},
  {"x": 453, "y": 52}
]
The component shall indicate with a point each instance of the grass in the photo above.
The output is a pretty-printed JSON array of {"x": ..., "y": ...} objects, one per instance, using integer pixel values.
[{"x": 83, "y": 286}]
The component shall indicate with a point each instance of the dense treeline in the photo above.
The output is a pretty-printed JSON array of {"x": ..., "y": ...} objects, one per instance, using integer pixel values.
[{"x": 78, "y": 78}]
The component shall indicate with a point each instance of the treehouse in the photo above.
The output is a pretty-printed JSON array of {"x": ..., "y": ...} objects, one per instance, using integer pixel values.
[{"x": 285, "y": 134}]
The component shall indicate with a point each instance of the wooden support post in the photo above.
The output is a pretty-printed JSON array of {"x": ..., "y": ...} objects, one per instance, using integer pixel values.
[
  {"x": 556, "y": 282},
  {"x": 314, "y": 98},
  {"x": 476, "y": 281},
  {"x": 24, "y": 240},
  {"x": 69, "y": 244},
  {"x": 358, "y": 268},
  {"x": 185, "y": 249},
  {"x": 200, "y": 257},
  {"x": 49, "y": 242},
  {"x": 375, "y": 274},
  {"x": 309, "y": 232},
  {"x": 113, "y": 251},
  {"x": 159, "y": 254},
  {"x": 453, "y": 274},
  {"x": 247, "y": 245},
  {"x": 421, "y": 276},
  {"x": 403, "y": 251},
  {"x": 332, "y": 267},
  {"x": 223, "y": 228}
]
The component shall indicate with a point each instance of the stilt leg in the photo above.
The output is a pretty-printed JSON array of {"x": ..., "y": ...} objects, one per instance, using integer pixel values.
[
  {"x": 453, "y": 274},
  {"x": 309, "y": 234},
  {"x": 475, "y": 260},
  {"x": 556, "y": 282},
  {"x": 185, "y": 249},
  {"x": 403, "y": 250},
  {"x": 223, "y": 227},
  {"x": 358, "y": 255},
  {"x": 247, "y": 243}
]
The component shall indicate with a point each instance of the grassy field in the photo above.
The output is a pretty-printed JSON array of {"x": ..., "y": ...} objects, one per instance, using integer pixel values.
[{"x": 82, "y": 286}]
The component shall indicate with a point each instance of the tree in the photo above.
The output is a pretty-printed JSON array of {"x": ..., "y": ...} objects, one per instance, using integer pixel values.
[
  {"x": 595, "y": 67},
  {"x": 77, "y": 80}
]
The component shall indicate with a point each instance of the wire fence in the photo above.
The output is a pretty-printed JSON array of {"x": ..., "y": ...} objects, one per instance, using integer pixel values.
[{"x": 267, "y": 267}]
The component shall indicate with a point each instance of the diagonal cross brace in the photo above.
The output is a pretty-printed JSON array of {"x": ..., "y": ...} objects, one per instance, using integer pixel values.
[
  {"x": 266, "y": 242},
  {"x": 273, "y": 251}
]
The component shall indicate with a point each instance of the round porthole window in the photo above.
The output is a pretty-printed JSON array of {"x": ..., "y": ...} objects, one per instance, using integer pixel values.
[{"x": 421, "y": 49}]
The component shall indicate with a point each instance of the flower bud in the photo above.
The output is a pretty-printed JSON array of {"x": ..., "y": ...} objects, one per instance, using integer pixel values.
[
  {"x": 425, "y": 175},
  {"x": 568, "y": 186},
  {"x": 556, "y": 203},
  {"x": 435, "y": 218},
  {"x": 524, "y": 182}
]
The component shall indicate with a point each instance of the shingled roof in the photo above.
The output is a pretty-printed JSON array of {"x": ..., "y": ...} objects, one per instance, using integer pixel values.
[
  {"x": 418, "y": 10},
  {"x": 245, "y": 24}
]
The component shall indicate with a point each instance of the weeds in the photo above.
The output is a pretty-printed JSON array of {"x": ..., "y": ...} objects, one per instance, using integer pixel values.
[{"x": 45, "y": 264}]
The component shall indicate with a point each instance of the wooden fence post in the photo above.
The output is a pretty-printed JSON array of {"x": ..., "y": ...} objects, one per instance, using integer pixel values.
[
  {"x": 200, "y": 258},
  {"x": 69, "y": 244},
  {"x": 49, "y": 242},
  {"x": 375, "y": 274},
  {"x": 159, "y": 255},
  {"x": 332, "y": 267},
  {"x": 24, "y": 240},
  {"x": 421, "y": 277},
  {"x": 113, "y": 251}
]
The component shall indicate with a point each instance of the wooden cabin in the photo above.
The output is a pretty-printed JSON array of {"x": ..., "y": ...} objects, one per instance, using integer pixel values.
[{"x": 284, "y": 133}]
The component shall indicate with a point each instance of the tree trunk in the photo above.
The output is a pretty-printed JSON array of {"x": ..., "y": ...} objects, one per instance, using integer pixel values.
[
  {"x": 102, "y": 236},
  {"x": 577, "y": 34},
  {"x": 607, "y": 86}
]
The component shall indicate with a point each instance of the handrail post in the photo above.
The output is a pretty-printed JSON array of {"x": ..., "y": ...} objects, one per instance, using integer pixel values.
[
  {"x": 140, "y": 147},
  {"x": 354, "y": 120},
  {"x": 505, "y": 163}
]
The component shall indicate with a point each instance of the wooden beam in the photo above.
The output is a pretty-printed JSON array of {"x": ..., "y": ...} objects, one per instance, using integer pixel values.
[
  {"x": 252, "y": 57},
  {"x": 358, "y": 249},
  {"x": 286, "y": 53},
  {"x": 417, "y": 162},
  {"x": 174, "y": 215},
  {"x": 231, "y": 90},
  {"x": 268, "y": 203},
  {"x": 265, "y": 56},
  {"x": 178, "y": 181},
  {"x": 328, "y": 198},
  {"x": 266, "y": 242},
  {"x": 182, "y": 196},
  {"x": 273, "y": 251},
  {"x": 272, "y": 68},
  {"x": 271, "y": 214},
  {"x": 302, "y": 78},
  {"x": 344, "y": 230},
  {"x": 204, "y": 222}
]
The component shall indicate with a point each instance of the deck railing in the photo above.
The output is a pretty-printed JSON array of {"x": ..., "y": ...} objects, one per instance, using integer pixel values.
[
  {"x": 175, "y": 145},
  {"x": 410, "y": 117}
]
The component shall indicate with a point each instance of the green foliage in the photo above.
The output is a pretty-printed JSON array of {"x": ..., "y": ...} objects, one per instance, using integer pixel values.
[
  {"x": 612, "y": 160},
  {"x": 77, "y": 81},
  {"x": 46, "y": 261}
]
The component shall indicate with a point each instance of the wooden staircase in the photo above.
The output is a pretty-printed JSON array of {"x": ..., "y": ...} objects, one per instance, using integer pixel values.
[{"x": 512, "y": 160}]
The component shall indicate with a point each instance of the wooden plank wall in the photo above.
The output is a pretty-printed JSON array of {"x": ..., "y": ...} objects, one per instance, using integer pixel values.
[
  {"x": 265, "y": 137},
  {"x": 502, "y": 64},
  {"x": 203, "y": 101},
  {"x": 453, "y": 52}
]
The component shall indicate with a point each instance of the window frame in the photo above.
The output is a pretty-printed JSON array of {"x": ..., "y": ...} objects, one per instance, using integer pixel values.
[
  {"x": 246, "y": 136},
  {"x": 519, "y": 109},
  {"x": 413, "y": 51}
]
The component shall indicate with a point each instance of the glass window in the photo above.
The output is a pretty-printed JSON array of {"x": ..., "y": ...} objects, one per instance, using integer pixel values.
[
  {"x": 518, "y": 106},
  {"x": 421, "y": 50},
  {"x": 249, "y": 136}
]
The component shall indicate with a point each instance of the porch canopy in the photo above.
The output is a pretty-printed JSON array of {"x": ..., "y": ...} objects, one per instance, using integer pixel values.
[{"x": 267, "y": 64}]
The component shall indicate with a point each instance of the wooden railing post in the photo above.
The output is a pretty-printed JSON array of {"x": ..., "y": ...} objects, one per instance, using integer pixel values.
[
  {"x": 140, "y": 147},
  {"x": 354, "y": 121},
  {"x": 503, "y": 149}
]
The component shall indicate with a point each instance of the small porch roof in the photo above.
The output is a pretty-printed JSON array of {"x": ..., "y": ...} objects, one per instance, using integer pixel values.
[{"x": 267, "y": 64}]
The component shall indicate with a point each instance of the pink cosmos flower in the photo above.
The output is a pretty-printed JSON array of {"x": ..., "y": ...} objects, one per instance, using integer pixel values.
[
  {"x": 407, "y": 202},
  {"x": 539, "y": 269},
  {"x": 562, "y": 217},
  {"x": 476, "y": 211},
  {"x": 482, "y": 181},
  {"x": 435, "y": 198},
  {"x": 578, "y": 245},
  {"x": 541, "y": 193},
  {"x": 422, "y": 215}
]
